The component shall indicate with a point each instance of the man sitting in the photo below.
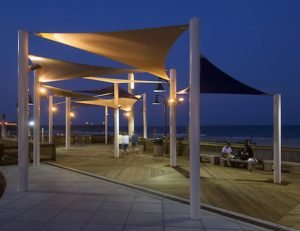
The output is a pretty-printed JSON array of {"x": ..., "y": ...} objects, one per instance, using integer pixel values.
[
  {"x": 246, "y": 152},
  {"x": 226, "y": 150},
  {"x": 227, "y": 153}
]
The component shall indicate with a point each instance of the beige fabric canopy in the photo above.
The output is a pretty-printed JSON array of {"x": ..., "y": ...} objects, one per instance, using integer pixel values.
[
  {"x": 56, "y": 70},
  {"x": 110, "y": 80},
  {"x": 145, "y": 49},
  {"x": 124, "y": 103},
  {"x": 66, "y": 93}
]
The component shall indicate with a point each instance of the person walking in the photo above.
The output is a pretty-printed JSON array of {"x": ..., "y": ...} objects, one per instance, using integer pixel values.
[
  {"x": 121, "y": 149},
  {"x": 125, "y": 143},
  {"x": 134, "y": 142}
]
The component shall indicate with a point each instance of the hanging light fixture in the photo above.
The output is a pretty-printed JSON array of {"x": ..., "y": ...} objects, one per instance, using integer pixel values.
[
  {"x": 156, "y": 100},
  {"x": 159, "y": 87}
]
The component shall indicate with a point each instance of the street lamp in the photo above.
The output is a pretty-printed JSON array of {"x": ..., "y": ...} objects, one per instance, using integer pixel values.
[
  {"x": 126, "y": 114},
  {"x": 72, "y": 114},
  {"x": 54, "y": 109},
  {"x": 156, "y": 102},
  {"x": 166, "y": 102}
]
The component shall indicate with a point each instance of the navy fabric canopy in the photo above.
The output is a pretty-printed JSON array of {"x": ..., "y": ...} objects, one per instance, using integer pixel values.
[
  {"x": 214, "y": 80},
  {"x": 110, "y": 91}
]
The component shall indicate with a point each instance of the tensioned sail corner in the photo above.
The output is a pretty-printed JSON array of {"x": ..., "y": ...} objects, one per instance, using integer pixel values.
[
  {"x": 109, "y": 91},
  {"x": 125, "y": 103},
  {"x": 125, "y": 100},
  {"x": 66, "y": 93},
  {"x": 57, "y": 70},
  {"x": 145, "y": 49},
  {"x": 113, "y": 80},
  {"x": 214, "y": 80}
]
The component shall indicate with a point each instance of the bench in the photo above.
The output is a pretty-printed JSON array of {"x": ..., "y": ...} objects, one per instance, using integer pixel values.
[
  {"x": 210, "y": 158},
  {"x": 233, "y": 162},
  {"x": 291, "y": 167}
]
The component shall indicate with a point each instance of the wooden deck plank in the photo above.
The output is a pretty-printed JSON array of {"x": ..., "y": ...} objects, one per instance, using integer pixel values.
[{"x": 234, "y": 189}]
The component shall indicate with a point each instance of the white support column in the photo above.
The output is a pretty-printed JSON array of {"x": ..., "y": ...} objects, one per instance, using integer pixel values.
[
  {"x": 145, "y": 115},
  {"x": 194, "y": 123},
  {"x": 50, "y": 125},
  {"x": 68, "y": 123},
  {"x": 3, "y": 127},
  {"x": 173, "y": 154},
  {"x": 116, "y": 120},
  {"x": 23, "y": 110},
  {"x": 106, "y": 124},
  {"x": 43, "y": 136},
  {"x": 277, "y": 138},
  {"x": 131, "y": 113},
  {"x": 37, "y": 124}
]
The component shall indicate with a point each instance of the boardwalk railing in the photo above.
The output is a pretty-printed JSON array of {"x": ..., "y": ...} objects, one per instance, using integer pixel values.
[
  {"x": 9, "y": 152},
  {"x": 289, "y": 154}
]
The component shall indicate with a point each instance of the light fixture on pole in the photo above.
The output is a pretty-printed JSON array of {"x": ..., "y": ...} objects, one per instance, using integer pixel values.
[
  {"x": 156, "y": 102},
  {"x": 54, "y": 109},
  {"x": 159, "y": 88},
  {"x": 166, "y": 103},
  {"x": 72, "y": 114}
]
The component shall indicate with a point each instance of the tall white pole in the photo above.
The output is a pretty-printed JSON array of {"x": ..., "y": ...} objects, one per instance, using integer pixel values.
[
  {"x": 43, "y": 135},
  {"x": 23, "y": 110},
  {"x": 172, "y": 101},
  {"x": 194, "y": 112},
  {"x": 116, "y": 120},
  {"x": 106, "y": 124},
  {"x": 131, "y": 113},
  {"x": 145, "y": 115},
  {"x": 277, "y": 138},
  {"x": 3, "y": 127},
  {"x": 36, "y": 114},
  {"x": 50, "y": 119},
  {"x": 68, "y": 123}
]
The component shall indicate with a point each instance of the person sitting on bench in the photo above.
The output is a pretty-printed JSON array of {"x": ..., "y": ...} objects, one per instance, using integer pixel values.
[
  {"x": 227, "y": 153},
  {"x": 246, "y": 152},
  {"x": 226, "y": 150}
]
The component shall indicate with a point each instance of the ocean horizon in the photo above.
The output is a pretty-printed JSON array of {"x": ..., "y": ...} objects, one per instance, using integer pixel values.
[{"x": 258, "y": 134}]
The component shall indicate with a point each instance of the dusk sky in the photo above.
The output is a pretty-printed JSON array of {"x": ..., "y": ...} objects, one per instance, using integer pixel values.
[{"x": 255, "y": 41}]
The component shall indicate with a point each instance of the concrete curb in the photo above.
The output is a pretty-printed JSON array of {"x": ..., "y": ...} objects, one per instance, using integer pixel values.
[{"x": 224, "y": 212}]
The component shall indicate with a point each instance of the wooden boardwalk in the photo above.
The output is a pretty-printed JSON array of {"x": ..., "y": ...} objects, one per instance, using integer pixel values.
[{"x": 233, "y": 189}]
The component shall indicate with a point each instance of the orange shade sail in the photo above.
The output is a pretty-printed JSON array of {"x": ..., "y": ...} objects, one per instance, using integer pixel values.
[
  {"x": 56, "y": 70},
  {"x": 144, "y": 49}
]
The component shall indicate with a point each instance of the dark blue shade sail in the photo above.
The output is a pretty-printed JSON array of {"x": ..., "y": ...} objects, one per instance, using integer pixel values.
[
  {"x": 214, "y": 80},
  {"x": 109, "y": 91}
]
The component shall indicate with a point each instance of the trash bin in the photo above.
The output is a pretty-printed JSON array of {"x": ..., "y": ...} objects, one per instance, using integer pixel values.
[{"x": 158, "y": 147}]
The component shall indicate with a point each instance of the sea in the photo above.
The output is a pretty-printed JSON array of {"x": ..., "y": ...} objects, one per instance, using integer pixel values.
[{"x": 257, "y": 134}]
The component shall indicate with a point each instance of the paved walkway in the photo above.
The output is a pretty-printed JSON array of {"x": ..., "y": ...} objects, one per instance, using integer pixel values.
[{"x": 59, "y": 199}]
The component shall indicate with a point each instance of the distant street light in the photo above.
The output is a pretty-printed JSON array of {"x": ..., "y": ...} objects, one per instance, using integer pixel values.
[
  {"x": 43, "y": 91},
  {"x": 72, "y": 114},
  {"x": 54, "y": 109},
  {"x": 126, "y": 114},
  {"x": 165, "y": 103}
]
